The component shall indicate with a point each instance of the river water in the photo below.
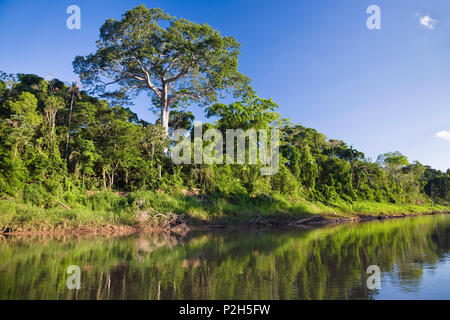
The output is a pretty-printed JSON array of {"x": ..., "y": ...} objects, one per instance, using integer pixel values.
[{"x": 327, "y": 263}]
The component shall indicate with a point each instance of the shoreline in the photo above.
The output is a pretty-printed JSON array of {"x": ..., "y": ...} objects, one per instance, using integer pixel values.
[
  {"x": 108, "y": 213},
  {"x": 315, "y": 221}
]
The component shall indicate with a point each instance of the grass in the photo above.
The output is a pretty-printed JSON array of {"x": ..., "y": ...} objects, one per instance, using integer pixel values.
[
  {"x": 372, "y": 208},
  {"x": 25, "y": 217},
  {"x": 107, "y": 208}
]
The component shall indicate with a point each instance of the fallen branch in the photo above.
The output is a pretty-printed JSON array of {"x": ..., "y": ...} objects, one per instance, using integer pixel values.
[
  {"x": 7, "y": 198},
  {"x": 307, "y": 220},
  {"x": 64, "y": 206}
]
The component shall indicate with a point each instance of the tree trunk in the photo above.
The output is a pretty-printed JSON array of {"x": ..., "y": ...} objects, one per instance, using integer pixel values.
[
  {"x": 70, "y": 120},
  {"x": 165, "y": 115},
  {"x": 111, "y": 179},
  {"x": 165, "y": 119},
  {"x": 104, "y": 178}
]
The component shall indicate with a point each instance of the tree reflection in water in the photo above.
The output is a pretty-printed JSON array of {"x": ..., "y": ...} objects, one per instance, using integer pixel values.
[{"x": 326, "y": 263}]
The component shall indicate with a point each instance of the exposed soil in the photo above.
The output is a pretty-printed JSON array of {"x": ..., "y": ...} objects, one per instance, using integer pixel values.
[
  {"x": 104, "y": 231},
  {"x": 183, "y": 228}
]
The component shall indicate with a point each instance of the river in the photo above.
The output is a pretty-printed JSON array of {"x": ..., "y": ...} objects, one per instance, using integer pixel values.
[{"x": 325, "y": 263}]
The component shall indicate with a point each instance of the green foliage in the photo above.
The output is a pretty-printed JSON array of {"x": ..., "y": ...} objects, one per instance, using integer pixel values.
[
  {"x": 251, "y": 113},
  {"x": 174, "y": 60},
  {"x": 109, "y": 148},
  {"x": 34, "y": 194},
  {"x": 57, "y": 142}
]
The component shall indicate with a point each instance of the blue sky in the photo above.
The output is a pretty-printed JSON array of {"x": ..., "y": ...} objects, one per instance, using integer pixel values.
[{"x": 378, "y": 90}]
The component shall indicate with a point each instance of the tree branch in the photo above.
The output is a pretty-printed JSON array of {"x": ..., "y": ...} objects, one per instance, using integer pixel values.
[
  {"x": 178, "y": 96},
  {"x": 149, "y": 82},
  {"x": 184, "y": 71},
  {"x": 168, "y": 68}
]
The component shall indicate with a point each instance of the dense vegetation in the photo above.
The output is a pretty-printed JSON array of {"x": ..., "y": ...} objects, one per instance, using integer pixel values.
[{"x": 59, "y": 144}]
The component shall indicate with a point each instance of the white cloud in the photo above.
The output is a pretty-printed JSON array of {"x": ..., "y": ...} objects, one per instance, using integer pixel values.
[
  {"x": 444, "y": 135},
  {"x": 428, "y": 22}
]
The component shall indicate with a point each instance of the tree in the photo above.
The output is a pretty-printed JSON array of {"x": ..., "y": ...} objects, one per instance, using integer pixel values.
[
  {"x": 180, "y": 119},
  {"x": 393, "y": 161},
  {"x": 74, "y": 92},
  {"x": 173, "y": 60},
  {"x": 333, "y": 144},
  {"x": 52, "y": 105},
  {"x": 25, "y": 104},
  {"x": 250, "y": 113}
]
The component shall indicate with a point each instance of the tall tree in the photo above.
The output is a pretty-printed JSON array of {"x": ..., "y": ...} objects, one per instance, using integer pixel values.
[
  {"x": 52, "y": 105},
  {"x": 173, "y": 60},
  {"x": 393, "y": 161},
  {"x": 74, "y": 92}
]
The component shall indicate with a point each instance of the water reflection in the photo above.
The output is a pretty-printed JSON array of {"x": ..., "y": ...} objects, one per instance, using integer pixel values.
[{"x": 327, "y": 263}]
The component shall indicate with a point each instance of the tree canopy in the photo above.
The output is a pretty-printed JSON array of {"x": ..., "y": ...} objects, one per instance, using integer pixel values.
[
  {"x": 173, "y": 60},
  {"x": 59, "y": 141},
  {"x": 54, "y": 144}
]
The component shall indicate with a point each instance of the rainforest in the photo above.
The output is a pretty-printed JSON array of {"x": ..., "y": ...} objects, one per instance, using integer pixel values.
[{"x": 75, "y": 155}]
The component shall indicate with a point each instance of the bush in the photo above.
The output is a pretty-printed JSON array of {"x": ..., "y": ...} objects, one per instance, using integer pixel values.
[
  {"x": 35, "y": 194},
  {"x": 106, "y": 201}
]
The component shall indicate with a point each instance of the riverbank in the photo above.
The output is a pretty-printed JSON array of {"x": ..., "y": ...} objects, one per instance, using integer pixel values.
[{"x": 106, "y": 213}]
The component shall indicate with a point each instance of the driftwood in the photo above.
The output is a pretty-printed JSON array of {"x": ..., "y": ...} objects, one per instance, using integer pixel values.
[
  {"x": 163, "y": 220},
  {"x": 5, "y": 230},
  {"x": 64, "y": 206},
  {"x": 7, "y": 198},
  {"x": 307, "y": 220},
  {"x": 319, "y": 220}
]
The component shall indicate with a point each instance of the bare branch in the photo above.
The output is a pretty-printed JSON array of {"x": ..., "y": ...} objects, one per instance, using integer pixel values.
[
  {"x": 169, "y": 67},
  {"x": 184, "y": 71},
  {"x": 149, "y": 82}
]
